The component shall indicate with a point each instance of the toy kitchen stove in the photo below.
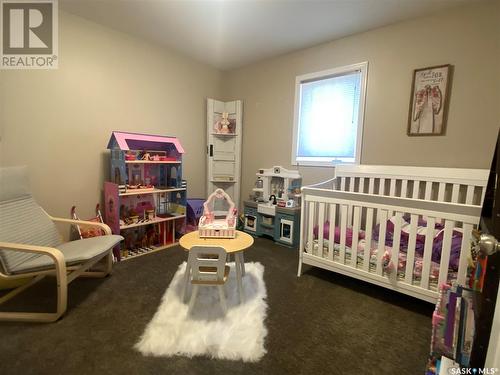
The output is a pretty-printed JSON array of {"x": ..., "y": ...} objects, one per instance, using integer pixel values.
[{"x": 274, "y": 209}]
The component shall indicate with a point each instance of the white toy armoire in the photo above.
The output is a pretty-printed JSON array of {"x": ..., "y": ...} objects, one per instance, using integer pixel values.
[{"x": 224, "y": 131}]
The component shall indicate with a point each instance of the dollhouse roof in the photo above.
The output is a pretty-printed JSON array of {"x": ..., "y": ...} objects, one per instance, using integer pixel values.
[{"x": 136, "y": 141}]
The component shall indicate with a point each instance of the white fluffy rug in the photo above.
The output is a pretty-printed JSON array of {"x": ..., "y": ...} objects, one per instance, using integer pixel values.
[{"x": 237, "y": 335}]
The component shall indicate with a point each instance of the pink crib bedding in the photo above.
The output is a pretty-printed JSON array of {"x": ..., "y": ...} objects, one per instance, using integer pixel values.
[{"x": 388, "y": 265}]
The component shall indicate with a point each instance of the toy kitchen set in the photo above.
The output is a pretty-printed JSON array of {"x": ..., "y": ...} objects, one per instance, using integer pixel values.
[{"x": 274, "y": 210}]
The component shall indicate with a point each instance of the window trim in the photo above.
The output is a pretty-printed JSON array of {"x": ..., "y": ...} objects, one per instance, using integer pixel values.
[{"x": 316, "y": 76}]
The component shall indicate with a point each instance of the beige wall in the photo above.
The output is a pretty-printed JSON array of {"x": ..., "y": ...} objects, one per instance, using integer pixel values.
[
  {"x": 58, "y": 122},
  {"x": 467, "y": 38}
]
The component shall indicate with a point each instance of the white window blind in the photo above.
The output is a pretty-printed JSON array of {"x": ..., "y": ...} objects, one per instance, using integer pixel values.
[{"x": 328, "y": 118}]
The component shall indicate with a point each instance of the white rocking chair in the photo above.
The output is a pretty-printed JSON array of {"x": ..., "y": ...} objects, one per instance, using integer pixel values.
[{"x": 31, "y": 247}]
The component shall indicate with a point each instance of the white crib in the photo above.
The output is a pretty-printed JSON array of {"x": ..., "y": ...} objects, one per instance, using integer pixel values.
[{"x": 361, "y": 199}]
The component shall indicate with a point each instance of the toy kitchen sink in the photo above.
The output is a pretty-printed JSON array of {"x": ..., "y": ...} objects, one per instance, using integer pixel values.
[{"x": 266, "y": 209}]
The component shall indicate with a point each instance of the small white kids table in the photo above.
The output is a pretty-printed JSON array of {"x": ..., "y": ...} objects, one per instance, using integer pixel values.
[{"x": 235, "y": 246}]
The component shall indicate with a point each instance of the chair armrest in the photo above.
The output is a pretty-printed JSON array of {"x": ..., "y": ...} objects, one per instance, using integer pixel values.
[
  {"x": 104, "y": 227},
  {"x": 52, "y": 252}
]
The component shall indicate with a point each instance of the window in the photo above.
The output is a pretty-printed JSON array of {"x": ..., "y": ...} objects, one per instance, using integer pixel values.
[{"x": 328, "y": 122}]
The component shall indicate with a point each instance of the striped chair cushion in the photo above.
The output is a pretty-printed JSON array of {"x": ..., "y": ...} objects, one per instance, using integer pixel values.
[{"x": 22, "y": 220}]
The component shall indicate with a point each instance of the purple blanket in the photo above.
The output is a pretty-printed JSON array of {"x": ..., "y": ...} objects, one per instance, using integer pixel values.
[
  {"x": 437, "y": 243},
  {"x": 326, "y": 234}
]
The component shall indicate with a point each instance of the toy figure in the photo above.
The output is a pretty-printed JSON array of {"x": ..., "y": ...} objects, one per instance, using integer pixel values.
[
  {"x": 224, "y": 123},
  {"x": 152, "y": 237},
  {"x": 144, "y": 241},
  {"x": 129, "y": 155}
]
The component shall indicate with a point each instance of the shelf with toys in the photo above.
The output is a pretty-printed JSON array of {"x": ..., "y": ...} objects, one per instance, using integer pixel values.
[
  {"x": 145, "y": 201},
  {"x": 149, "y": 191},
  {"x": 155, "y": 220}
]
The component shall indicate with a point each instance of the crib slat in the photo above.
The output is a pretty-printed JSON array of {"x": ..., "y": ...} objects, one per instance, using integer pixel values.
[
  {"x": 310, "y": 235},
  {"x": 396, "y": 242},
  {"x": 464, "y": 253},
  {"x": 445, "y": 252},
  {"x": 355, "y": 236},
  {"x": 381, "y": 240},
  {"x": 416, "y": 188},
  {"x": 361, "y": 187},
  {"x": 381, "y": 186},
  {"x": 470, "y": 194},
  {"x": 392, "y": 193},
  {"x": 410, "y": 254},
  {"x": 368, "y": 239},
  {"x": 392, "y": 188},
  {"x": 342, "y": 183},
  {"x": 352, "y": 181},
  {"x": 371, "y": 185},
  {"x": 404, "y": 188},
  {"x": 426, "y": 265},
  {"x": 483, "y": 193},
  {"x": 441, "y": 191},
  {"x": 454, "y": 193},
  {"x": 343, "y": 230},
  {"x": 321, "y": 226},
  {"x": 349, "y": 216},
  {"x": 331, "y": 232},
  {"x": 428, "y": 190}
]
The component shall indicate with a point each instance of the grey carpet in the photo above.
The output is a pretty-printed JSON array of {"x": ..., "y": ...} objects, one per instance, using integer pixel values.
[{"x": 321, "y": 323}]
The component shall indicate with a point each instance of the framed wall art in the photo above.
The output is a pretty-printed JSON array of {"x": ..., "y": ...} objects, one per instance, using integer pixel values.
[{"x": 429, "y": 99}]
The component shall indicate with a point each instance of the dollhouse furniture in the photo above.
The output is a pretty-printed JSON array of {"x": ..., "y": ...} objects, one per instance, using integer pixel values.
[
  {"x": 145, "y": 199},
  {"x": 236, "y": 246},
  {"x": 275, "y": 210},
  {"x": 208, "y": 268},
  {"x": 224, "y": 132},
  {"x": 31, "y": 246},
  {"x": 211, "y": 225},
  {"x": 423, "y": 217}
]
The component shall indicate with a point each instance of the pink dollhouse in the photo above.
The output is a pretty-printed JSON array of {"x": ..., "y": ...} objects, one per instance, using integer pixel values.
[{"x": 145, "y": 199}]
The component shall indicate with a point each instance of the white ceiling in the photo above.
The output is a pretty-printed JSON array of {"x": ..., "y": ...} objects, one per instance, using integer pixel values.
[{"x": 228, "y": 34}]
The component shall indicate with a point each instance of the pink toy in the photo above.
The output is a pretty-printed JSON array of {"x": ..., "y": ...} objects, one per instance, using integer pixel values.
[
  {"x": 84, "y": 231},
  {"x": 211, "y": 225}
]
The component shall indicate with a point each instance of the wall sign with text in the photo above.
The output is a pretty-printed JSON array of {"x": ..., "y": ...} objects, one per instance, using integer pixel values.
[{"x": 429, "y": 100}]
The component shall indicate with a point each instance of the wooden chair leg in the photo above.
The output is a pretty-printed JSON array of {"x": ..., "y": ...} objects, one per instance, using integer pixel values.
[
  {"x": 185, "y": 287},
  {"x": 242, "y": 262},
  {"x": 62, "y": 301},
  {"x": 105, "y": 263},
  {"x": 222, "y": 297},
  {"x": 238, "y": 278},
  {"x": 194, "y": 293},
  {"x": 109, "y": 263}
]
